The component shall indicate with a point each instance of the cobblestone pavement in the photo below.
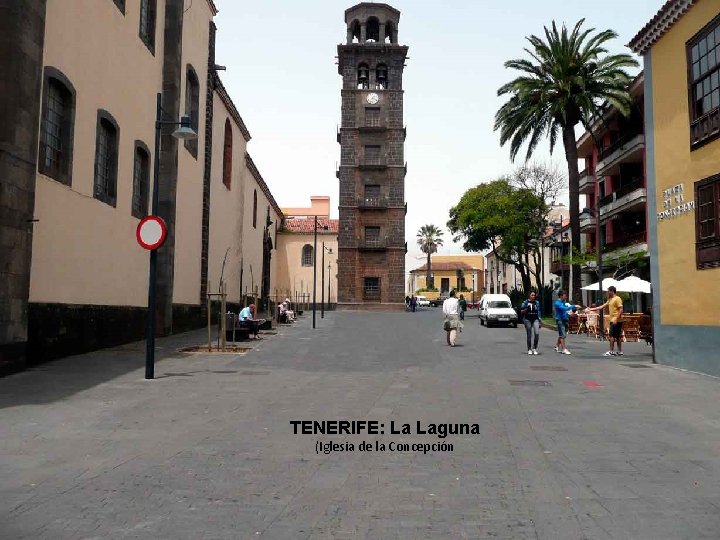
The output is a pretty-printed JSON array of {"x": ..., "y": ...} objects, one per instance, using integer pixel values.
[{"x": 576, "y": 447}]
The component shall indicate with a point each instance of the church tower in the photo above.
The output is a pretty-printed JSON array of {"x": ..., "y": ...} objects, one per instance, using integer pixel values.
[{"x": 371, "y": 239}]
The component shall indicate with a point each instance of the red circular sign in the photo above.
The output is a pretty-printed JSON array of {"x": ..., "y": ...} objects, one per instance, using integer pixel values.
[{"x": 151, "y": 232}]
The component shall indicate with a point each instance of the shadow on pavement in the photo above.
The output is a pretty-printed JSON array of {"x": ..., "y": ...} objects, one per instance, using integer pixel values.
[{"x": 58, "y": 379}]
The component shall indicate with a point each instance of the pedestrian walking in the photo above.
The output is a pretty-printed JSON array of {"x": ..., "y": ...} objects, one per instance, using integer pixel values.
[
  {"x": 413, "y": 303},
  {"x": 463, "y": 307},
  {"x": 530, "y": 311},
  {"x": 452, "y": 324},
  {"x": 615, "y": 307},
  {"x": 562, "y": 310},
  {"x": 407, "y": 303}
]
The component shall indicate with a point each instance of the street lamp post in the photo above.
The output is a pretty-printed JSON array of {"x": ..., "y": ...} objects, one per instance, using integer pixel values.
[
  {"x": 322, "y": 286},
  {"x": 315, "y": 273},
  {"x": 184, "y": 131},
  {"x": 596, "y": 213},
  {"x": 329, "y": 282}
]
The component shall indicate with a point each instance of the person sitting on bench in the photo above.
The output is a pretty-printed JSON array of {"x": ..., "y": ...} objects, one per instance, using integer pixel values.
[
  {"x": 288, "y": 310},
  {"x": 248, "y": 321}
]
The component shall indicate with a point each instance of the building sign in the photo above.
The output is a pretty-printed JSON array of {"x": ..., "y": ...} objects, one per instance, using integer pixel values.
[{"x": 674, "y": 203}]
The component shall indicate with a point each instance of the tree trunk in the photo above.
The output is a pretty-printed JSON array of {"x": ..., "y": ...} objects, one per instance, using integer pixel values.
[
  {"x": 428, "y": 278},
  {"x": 574, "y": 192}
]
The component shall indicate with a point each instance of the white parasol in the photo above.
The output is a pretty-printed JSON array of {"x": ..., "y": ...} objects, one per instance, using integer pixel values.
[
  {"x": 607, "y": 282},
  {"x": 633, "y": 284}
]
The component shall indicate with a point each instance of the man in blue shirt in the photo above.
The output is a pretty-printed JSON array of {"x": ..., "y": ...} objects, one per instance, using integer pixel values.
[
  {"x": 247, "y": 320},
  {"x": 562, "y": 310}
]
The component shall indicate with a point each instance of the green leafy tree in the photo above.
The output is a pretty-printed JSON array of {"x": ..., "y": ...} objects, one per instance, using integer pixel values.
[
  {"x": 566, "y": 81},
  {"x": 429, "y": 238},
  {"x": 504, "y": 219}
]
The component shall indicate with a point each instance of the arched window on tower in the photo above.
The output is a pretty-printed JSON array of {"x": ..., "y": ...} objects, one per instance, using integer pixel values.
[
  {"x": 307, "y": 255},
  {"x": 390, "y": 32},
  {"x": 363, "y": 82},
  {"x": 354, "y": 34},
  {"x": 373, "y": 30},
  {"x": 381, "y": 77},
  {"x": 227, "y": 155}
]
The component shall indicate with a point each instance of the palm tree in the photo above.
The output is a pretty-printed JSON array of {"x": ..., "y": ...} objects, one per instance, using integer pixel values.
[
  {"x": 568, "y": 79},
  {"x": 429, "y": 238}
]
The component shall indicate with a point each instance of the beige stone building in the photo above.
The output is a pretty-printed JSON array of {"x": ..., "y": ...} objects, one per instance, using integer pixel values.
[
  {"x": 295, "y": 252},
  {"x": 79, "y": 279}
]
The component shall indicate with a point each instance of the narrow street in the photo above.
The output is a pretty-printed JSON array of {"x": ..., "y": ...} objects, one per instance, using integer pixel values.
[{"x": 569, "y": 447}]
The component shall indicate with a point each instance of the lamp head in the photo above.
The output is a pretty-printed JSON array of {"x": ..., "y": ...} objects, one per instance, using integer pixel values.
[{"x": 185, "y": 131}]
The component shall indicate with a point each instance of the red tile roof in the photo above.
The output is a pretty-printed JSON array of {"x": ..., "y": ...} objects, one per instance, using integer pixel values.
[
  {"x": 445, "y": 266},
  {"x": 307, "y": 225}
]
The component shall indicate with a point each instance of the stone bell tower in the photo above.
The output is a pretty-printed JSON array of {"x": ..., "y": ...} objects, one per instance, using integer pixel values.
[{"x": 371, "y": 239}]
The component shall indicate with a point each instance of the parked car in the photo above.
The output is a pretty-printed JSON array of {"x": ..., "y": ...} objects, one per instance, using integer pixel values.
[
  {"x": 496, "y": 309},
  {"x": 422, "y": 301},
  {"x": 437, "y": 302}
]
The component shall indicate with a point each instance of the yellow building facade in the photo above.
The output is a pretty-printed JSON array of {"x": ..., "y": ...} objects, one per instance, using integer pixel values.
[
  {"x": 444, "y": 269},
  {"x": 682, "y": 126}
]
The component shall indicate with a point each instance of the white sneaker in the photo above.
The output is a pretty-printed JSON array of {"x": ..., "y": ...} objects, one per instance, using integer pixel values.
[
  {"x": 566, "y": 352},
  {"x": 609, "y": 353},
  {"x": 556, "y": 349},
  {"x": 534, "y": 351},
  {"x": 530, "y": 352}
]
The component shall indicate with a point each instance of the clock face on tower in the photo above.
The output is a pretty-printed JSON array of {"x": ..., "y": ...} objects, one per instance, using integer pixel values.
[{"x": 373, "y": 98}]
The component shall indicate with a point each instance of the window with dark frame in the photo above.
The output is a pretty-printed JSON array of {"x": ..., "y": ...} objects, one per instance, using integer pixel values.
[
  {"x": 703, "y": 54},
  {"x": 372, "y": 155},
  {"x": 106, "y": 158},
  {"x": 255, "y": 209},
  {"x": 148, "y": 16},
  {"x": 192, "y": 108},
  {"x": 371, "y": 288},
  {"x": 372, "y": 116},
  {"x": 141, "y": 180},
  {"x": 307, "y": 255},
  {"x": 372, "y": 236},
  {"x": 56, "y": 132},
  {"x": 707, "y": 222},
  {"x": 227, "y": 155},
  {"x": 372, "y": 195}
]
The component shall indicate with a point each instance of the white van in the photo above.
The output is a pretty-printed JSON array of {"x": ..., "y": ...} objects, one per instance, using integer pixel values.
[{"x": 497, "y": 309}]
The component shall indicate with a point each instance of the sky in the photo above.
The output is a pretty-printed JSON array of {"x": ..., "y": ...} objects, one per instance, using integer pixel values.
[{"x": 282, "y": 76}]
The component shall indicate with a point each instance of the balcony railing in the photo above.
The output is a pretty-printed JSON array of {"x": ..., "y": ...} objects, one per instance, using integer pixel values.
[
  {"x": 371, "y": 203},
  {"x": 615, "y": 195},
  {"x": 373, "y": 244},
  {"x": 372, "y": 161},
  {"x": 586, "y": 222},
  {"x": 626, "y": 241},
  {"x": 622, "y": 141},
  {"x": 587, "y": 182},
  {"x": 556, "y": 267}
]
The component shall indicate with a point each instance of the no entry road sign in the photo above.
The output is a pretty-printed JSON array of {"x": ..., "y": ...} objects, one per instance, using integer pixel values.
[{"x": 151, "y": 232}]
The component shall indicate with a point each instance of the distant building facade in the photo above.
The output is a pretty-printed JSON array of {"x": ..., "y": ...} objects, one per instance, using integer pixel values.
[
  {"x": 296, "y": 254},
  {"x": 615, "y": 186},
  {"x": 371, "y": 238},
  {"x": 462, "y": 273}
]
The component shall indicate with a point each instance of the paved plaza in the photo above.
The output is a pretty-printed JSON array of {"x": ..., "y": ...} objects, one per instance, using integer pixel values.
[{"x": 569, "y": 447}]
